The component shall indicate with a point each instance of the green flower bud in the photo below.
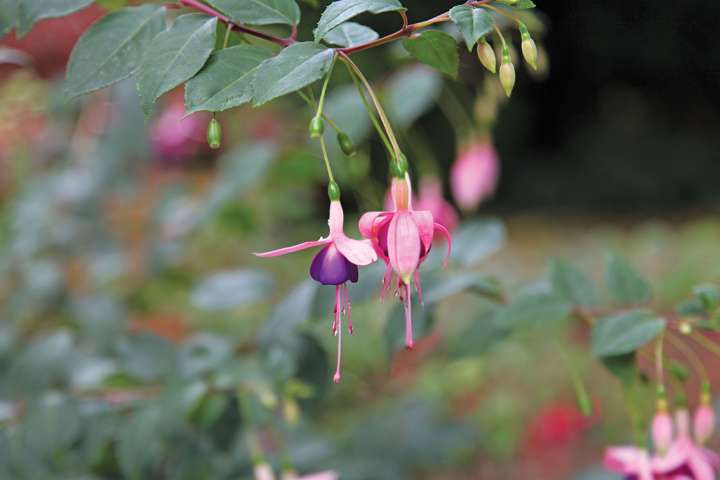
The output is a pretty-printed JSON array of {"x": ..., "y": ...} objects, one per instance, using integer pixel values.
[
  {"x": 507, "y": 73},
  {"x": 333, "y": 191},
  {"x": 346, "y": 144},
  {"x": 214, "y": 134},
  {"x": 486, "y": 54},
  {"x": 317, "y": 127},
  {"x": 399, "y": 167}
]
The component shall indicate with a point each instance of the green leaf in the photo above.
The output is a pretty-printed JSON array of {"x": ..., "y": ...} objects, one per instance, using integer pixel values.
[
  {"x": 534, "y": 309},
  {"x": 625, "y": 332},
  {"x": 349, "y": 34},
  {"x": 226, "y": 81},
  {"x": 475, "y": 241},
  {"x": 175, "y": 56},
  {"x": 31, "y": 11},
  {"x": 112, "y": 48},
  {"x": 474, "y": 23},
  {"x": 343, "y": 10},
  {"x": 623, "y": 367},
  {"x": 572, "y": 284},
  {"x": 295, "y": 67},
  {"x": 435, "y": 48},
  {"x": 290, "y": 313},
  {"x": 524, "y": 4},
  {"x": 625, "y": 285},
  {"x": 231, "y": 289},
  {"x": 260, "y": 12},
  {"x": 8, "y": 15},
  {"x": 438, "y": 289},
  {"x": 404, "y": 109},
  {"x": 480, "y": 336},
  {"x": 112, "y": 5}
]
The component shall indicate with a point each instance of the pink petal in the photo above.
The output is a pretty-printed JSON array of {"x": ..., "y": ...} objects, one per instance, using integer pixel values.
[
  {"x": 294, "y": 248},
  {"x": 700, "y": 466},
  {"x": 622, "y": 459},
  {"x": 424, "y": 222},
  {"x": 369, "y": 223},
  {"x": 404, "y": 245},
  {"x": 712, "y": 457},
  {"x": 356, "y": 251},
  {"x": 321, "y": 476},
  {"x": 335, "y": 219},
  {"x": 675, "y": 457},
  {"x": 448, "y": 237}
]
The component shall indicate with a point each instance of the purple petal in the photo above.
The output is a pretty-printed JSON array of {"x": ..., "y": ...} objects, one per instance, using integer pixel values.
[{"x": 329, "y": 267}]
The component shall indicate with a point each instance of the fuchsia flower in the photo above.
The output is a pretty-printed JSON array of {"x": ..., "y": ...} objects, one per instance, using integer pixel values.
[
  {"x": 175, "y": 137},
  {"x": 635, "y": 463},
  {"x": 431, "y": 199},
  {"x": 685, "y": 456},
  {"x": 335, "y": 264},
  {"x": 402, "y": 238},
  {"x": 474, "y": 174},
  {"x": 662, "y": 429}
]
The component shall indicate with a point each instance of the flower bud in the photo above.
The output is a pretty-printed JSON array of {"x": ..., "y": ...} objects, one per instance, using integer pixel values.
[
  {"x": 214, "y": 134},
  {"x": 474, "y": 174},
  {"x": 507, "y": 73},
  {"x": 662, "y": 427},
  {"x": 263, "y": 471},
  {"x": 704, "y": 420},
  {"x": 317, "y": 127},
  {"x": 333, "y": 191},
  {"x": 399, "y": 166},
  {"x": 529, "y": 49},
  {"x": 346, "y": 144},
  {"x": 487, "y": 57}
]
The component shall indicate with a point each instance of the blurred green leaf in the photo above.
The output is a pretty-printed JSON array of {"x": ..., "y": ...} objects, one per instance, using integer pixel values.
[
  {"x": 480, "y": 336},
  {"x": 293, "y": 68},
  {"x": 226, "y": 80},
  {"x": 625, "y": 285},
  {"x": 231, "y": 289},
  {"x": 260, "y": 12},
  {"x": 8, "y": 16},
  {"x": 435, "y": 48},
  {"x": 292, "y": 312},
  {"x": 625, "y": 332},
  {"x": 474, "y": 23},
  {"x": 45, "y": 361},
  {"x": 404, "y": 109},
  {"x": 31, "y": 11},
  {"x": 175, "y": 56},
  {"x": 147, "y": 357},
  {"x": 622, "y": 367},
  {"x": 349, "y": 34},
  {"x": 51, "y": 425},
  {"x": 572, "y": 284},
  {"x": 139, "y": 444},
  {"x": 534, "y": 310},
  {"x": 112, "y": 5},
  {"x": 342, "y": 10},
  {"x": 476, "y": 240},
  {"x": 444, "y": 286},
  {"x": 112, "y": 48}
]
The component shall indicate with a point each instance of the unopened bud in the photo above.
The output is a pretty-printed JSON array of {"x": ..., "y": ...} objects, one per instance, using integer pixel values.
[
  {"x": 662, "y": 426},
  {"x": 263, "y": 471},
  {"x": 317, "y": 127},
  {"x": 214, "y": 134},
  {"x": 486, "y": 54},
  {"x": 346, "y": 144},
  {"x": 399, "y": 166},
  {"x": 333, "y": 191},
  {"x": 507, "y": 73}
]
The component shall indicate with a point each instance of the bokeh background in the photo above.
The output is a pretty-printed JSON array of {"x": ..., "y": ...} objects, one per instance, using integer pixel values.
[{"x": 140, "y": 339}]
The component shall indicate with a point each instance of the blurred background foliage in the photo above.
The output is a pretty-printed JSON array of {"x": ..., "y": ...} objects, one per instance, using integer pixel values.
[{"x": 139, "y": 338}]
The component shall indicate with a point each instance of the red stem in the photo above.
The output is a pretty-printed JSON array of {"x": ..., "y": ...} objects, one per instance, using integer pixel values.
[{"x": 201, "y": 7}]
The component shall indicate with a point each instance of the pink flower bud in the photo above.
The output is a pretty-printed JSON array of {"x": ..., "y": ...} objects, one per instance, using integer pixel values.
[
  {"x": 175, "y": 137},
  {"x": 662, "y": 431},
  {"x": 704, "y": 423},
  {"x": 474, "y": 175},
  {"x": 263, "y": 471},
  {"x": 431, "y": 199}
]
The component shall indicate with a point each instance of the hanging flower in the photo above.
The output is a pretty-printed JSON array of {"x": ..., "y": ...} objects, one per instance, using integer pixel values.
[
  {"x": 474, "y": 174},
  {"x": 335, "y": 264},
  {"x": 402, "y": 238}
]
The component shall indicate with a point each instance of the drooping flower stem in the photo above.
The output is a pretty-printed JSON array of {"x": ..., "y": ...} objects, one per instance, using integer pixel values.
[
  {"x": 370, "y": 112},
  {"x": 321, "y": 103},
  {"x": 326, "y": 159},
  {"x": 705, "y": 342},
  {"x": 311, "y": 103},
  {"x": 659, "y": 369},
  {"x": 378, "y": 106},
  {"x": 690, "y": 355},
  {"x": 581, "y": 395}
]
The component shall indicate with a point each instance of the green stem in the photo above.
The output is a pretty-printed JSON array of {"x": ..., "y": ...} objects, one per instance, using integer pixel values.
[
  {"x": 321, "y": 103},
  {"x": 228, "y": 29},
  {"x": 325, "y": 117},
  {"x": 326, "y": 159},
  {"x": 659, "y": 359},
  {"x": 371, "y": 113},
  {"x": 378, "y": 106}
]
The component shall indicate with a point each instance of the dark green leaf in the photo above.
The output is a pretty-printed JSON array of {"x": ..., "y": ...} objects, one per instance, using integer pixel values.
[
  {"x": 291, "y": 313},
  {"x": 623, "y": 367},
  {"x": 231, "y": 289},
  {"x": 226, "y": 80},
  {"x": 112, "y": 48},
  {"x": 340, "y": 11},
  {"x": 176, "y": 56},
  {"x": 476, "y": 240},
  {"x": 572, "y": 284},
  {"x": 51, "y": 425},
  {"x": 294, "y": 68},
  {"x": 438, "y": 289},
  {"x": 260, "y": 12},
  {"x": 435, "y": 48},
  {"x": 8, "y": 15},
  {"x": 474, "y": 23},
  {"x": 625, "y": 332},
  {"x": 31, "y": 11},
  {"x": 625, "y": 285},
  {"x": 349, "y": 34},
  {"x": 534, "y": 309},
  {"x": 404, "y": 109},
  {"x": 480, "y": 336}
]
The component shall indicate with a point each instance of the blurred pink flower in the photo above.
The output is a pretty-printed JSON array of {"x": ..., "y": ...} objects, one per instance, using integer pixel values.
[
  {"x": 632, "y": 462},
  {"x": 474, "y": 174},
  {"x": 175, "y": 137},
  {"x": 431, "y": 199},
  {"x": 662, "y": 430},
  {"x": 704, "y": 423},
  {"x": 402, "y": 238},
  {"x": 335, "y": 264}
]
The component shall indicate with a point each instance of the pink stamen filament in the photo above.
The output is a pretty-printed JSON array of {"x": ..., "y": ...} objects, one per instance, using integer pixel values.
[
  {"x": 347, "y": 309},
  {"x": 338, "y": 329},
  {"x": 409, "y": 344}
]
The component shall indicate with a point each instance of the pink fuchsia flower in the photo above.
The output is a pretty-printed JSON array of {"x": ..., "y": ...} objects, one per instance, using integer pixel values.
[
  {"x": 263, "y": 471},
  {"x": 685, "y": 457},
  {"x": 704, "y": 419},
  {"x": 327, "y": 475},
  {"x": 662, "y": 428},
  {"x": 335, "y": 264},
  {"x": 175, "y": 137},
  {"x": 431, "y": 199},
  {"x": 402, "y": 238},
  {"x": 474, "y": 174},
  {"x": 632, "y": 462}
]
